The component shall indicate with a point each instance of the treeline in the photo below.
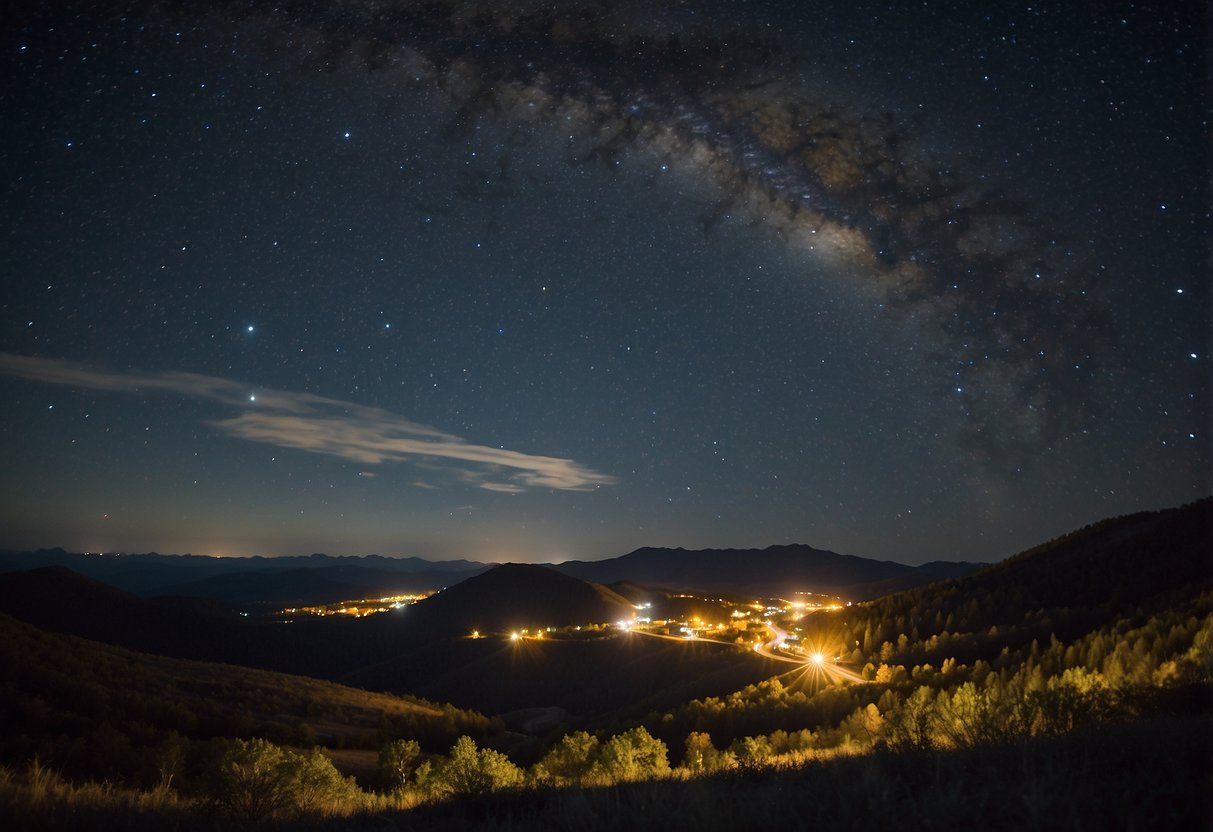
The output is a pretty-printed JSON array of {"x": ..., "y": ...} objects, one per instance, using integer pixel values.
[
  {"x": 1069, "y": 586},
  {"x": 1129, "y": 668},
  {"x": 1148, "y": 774},
  {"x": 254, "y": 782}
]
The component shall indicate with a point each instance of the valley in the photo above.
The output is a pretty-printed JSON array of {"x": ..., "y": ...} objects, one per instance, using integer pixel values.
[{"x": 559, "y": 686}]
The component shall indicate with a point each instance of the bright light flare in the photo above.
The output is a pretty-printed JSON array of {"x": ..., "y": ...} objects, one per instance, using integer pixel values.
[
  {"x": 817, "y": 659},
  {"x": 515, "y": 636}
]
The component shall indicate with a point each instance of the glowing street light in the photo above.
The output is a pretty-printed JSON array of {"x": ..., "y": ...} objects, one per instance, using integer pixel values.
[
  {"x": 514, "y": 636},
  {"x": 818, "y": 659}
]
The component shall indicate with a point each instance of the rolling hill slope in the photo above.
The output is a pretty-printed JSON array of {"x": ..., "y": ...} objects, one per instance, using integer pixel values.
[{"x": 70, "y": 699}]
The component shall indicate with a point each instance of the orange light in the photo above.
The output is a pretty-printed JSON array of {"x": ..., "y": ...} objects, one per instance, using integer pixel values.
[
  {"x": 818, "y": 658},
  {"x": 514, "y": 636}
]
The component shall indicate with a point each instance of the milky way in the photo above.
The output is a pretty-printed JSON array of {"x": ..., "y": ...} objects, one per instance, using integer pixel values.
[{"x": 1016, "y": 332}]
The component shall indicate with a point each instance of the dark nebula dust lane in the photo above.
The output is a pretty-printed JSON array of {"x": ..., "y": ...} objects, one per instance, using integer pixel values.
[
  {"x": 938, "y": 263},
  {"x": 1015, "y": 326}
]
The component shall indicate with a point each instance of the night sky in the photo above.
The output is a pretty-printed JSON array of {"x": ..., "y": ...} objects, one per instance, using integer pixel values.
[{"x": 904, "y": 280}]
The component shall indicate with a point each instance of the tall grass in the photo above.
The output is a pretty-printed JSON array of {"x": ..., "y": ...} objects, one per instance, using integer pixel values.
[
  {"x": 1155, "y": 775},
  {"x": 1152, "y": 775},
  {"x": 38, "y": 798}
]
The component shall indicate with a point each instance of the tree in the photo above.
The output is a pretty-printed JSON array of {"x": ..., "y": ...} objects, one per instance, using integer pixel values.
[
  {"x": 317, "y": 787},
  {"x": 971, "y": 716},
  {"x": 255, "y": 781},
  {"x": 570, "y": 760},
  {"x": 469, "y": 770},
  {"x": 398, "y": 760},
  {"x": 703, "y": 757},
  {"x": 752, "y": 752},
  {"x": 251, "y": 781},
  {"x": 864, "y": 726},
  {"x": 909, "y": 725},
  {"x": 632, "y": 755}
]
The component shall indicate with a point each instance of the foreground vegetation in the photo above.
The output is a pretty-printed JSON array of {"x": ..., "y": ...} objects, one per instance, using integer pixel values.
[{"x": 1149, "y": 775}]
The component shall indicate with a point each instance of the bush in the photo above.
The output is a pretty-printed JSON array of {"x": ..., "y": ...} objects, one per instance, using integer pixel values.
[
  {"x": 632, "y": 755},
  {"x": 469, "y": 770},
  {"x": 255, "y": 781}
]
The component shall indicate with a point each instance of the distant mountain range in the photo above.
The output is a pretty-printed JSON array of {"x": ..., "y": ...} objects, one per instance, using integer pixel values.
[
  {"x": 773, "y": 572},
  {"x": 776, "y": 571},
  {"x": 284, "y": 581}
]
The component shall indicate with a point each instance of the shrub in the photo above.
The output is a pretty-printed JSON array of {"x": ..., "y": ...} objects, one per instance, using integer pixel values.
[{"x": 255, "y": 781}]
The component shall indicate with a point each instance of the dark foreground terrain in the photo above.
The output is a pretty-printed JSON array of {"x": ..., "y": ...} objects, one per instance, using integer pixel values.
[{"x": 1145, "y": 776}]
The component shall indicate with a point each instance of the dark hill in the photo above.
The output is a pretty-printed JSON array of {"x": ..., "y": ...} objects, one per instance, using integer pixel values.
[
  {"x": 76, "y": 702},
  {"x": 774, "y": 572},
  {"x": 1119, "y": 570},
  {"x": 517, "y": 596},
  {"x": 58, "y": 599},
  {"x": 1116, "y": 564}
]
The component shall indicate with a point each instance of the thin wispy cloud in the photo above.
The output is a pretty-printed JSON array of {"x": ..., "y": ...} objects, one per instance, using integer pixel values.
[
  {"x": 503, "y": 487},
  {"x": 316, "y": 424}
]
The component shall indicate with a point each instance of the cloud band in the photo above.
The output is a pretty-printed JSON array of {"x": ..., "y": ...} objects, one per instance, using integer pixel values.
[{"x": 316, "y": 424}]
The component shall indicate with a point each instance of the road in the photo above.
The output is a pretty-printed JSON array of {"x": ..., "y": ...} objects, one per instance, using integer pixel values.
[
  {"x": 817, "y": 661},
  {"x": 765, "y": 649},
  {"x": 682, "y": 639},
  {"x": 769, "y": 649}
]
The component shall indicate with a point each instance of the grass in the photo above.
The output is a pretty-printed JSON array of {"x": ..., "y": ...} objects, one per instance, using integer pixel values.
[
  {"x": 39, "y": 799},
  {"x": 1145, "y": 776},
  {"x": 1155, "y": 775}
]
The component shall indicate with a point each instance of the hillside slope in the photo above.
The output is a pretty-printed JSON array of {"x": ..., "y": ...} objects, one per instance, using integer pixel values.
[
  {"x": 1112, "y": 574},
  {"x": 70, "y": 700}
]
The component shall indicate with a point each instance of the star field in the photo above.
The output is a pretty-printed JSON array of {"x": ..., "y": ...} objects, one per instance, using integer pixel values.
[{"x": 913, "y": 281}]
